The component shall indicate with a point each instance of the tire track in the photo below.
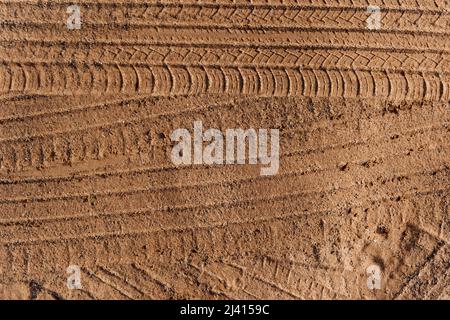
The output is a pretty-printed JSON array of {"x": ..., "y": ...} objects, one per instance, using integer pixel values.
[
  {"x": 145, "y": 140},
  {"x": 181, "y": 243},
  {"x": 132, "y": 137},
  {"x": 199, "y": 16},
  {"x": 178, "y": 231},
  {"x": 180, "y": 196},
  {"x": 223, "y": 57},
  {"x": 415, "y": 6},
  {"x": 149, "y": 35},
  {"x": 362, "y": 151},
  {"x": 201, "y": 80}
]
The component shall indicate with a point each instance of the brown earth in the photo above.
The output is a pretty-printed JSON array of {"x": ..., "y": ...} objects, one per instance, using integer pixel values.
[{"x": 85, "y": 171}]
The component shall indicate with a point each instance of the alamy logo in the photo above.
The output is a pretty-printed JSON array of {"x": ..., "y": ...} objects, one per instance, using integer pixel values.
[
  {"x": 74, "y": 277},
  {"x": 373, "y": 277},
  {"x": 74, "y": 19},
  {"x": 374, "y": 20},
  {"x": 231, "y": 151}
]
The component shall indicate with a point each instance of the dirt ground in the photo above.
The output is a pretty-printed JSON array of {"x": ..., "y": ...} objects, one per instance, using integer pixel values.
[{"x": 86, "y": 177}]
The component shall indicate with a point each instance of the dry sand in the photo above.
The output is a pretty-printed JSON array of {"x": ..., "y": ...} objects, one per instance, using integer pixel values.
[{"x": 86, "y": 177}]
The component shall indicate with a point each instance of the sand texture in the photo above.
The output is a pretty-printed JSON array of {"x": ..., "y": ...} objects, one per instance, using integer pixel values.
[{"x": 87, "y": 180}]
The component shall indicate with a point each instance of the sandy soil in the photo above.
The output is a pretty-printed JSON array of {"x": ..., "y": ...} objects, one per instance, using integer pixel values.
[{"x": 86, "y": 177}]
